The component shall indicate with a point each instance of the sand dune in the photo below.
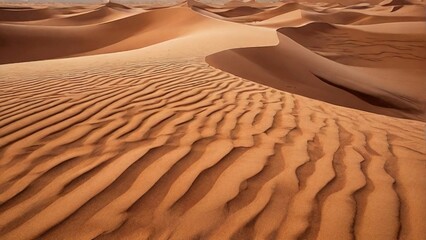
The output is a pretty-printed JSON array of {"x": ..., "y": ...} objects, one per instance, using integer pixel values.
[
  {"x": 170, "y": 141},
  {"x": 115, "y": 31},
  {"x": 86, "y": 16},
  {"x": 118, "y": 6},
  {"x": 247, "y": 14},
  {"x": 24, "y": 14},
  {"x": 240, "y": 11},
  {"x": 351, "y": 16},
  {"x": 148, "y": 149},
  {"x": 372, "y": 49},
  {"x": 337, "y": 64},
  {"x": 314, "y": 76},
  {"x": 117, "y": 34},
  {"x": 360, "y": 14}
]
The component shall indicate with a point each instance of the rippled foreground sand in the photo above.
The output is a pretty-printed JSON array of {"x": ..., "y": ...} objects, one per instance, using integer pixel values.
[{"x": 155, "y": 143}]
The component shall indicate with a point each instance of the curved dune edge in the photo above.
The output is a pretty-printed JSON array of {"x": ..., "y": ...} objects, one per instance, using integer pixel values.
[
  {"x": 40, "y": 33},
  {"x": 372, "y": 83},
  {"x": 148, "y": 150},
  {"x": 119, "y": 33}
]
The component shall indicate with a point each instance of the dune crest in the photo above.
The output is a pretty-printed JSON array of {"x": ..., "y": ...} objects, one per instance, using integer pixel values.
[
  {"x": 358, "y": 66},
  {"x": 119, "y": 33}
]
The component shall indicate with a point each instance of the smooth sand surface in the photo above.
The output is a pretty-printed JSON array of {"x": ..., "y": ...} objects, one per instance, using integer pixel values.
[{"x": 207, "y": 127}]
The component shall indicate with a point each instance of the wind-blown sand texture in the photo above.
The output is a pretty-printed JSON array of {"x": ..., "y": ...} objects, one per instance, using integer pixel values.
[{"x": 154, "y": 143}]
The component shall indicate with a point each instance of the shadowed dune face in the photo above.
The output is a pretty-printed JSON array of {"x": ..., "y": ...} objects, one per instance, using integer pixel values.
[
  {"x": 387, "y": 61},
  {"x": 240, "y": 11},
  {"x": 247, "y": 14},
  {"x": 292, "y": 68},
  {"x": 23, "y": 14},
  {"x": 147, "y": 150},
  {"x": 359, "y": 18},
  {"x": 360, "y": 48}
]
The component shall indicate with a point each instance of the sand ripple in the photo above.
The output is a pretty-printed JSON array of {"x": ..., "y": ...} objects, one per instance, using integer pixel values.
[{"x": 180, "y": 150}]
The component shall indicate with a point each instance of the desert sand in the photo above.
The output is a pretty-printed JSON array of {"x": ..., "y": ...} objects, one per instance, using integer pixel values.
[{"x": 296, "y": 120}]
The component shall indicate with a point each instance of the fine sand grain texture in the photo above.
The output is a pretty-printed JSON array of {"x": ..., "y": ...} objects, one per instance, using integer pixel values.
[{"x": 230, "y": 122}]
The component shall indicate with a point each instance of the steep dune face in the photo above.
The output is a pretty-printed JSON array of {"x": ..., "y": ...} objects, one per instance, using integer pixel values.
[
  {"x": 316, "y": 77},
  {"x": 385, "y": 43},
  {"x": 148, "y": 150},
  {"x": 118, "y": 6}
]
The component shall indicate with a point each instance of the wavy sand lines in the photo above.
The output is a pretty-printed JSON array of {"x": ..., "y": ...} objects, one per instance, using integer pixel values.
[{"x": 181, "y": 150}]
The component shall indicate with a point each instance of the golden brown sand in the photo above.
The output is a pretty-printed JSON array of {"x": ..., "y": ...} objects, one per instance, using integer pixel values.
[{"x": 154, "y": 143}]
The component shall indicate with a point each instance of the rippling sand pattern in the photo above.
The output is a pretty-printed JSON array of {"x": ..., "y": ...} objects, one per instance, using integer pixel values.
[
  {"x": 148, "y": 150},
  {"x": 155, "y": 143}
]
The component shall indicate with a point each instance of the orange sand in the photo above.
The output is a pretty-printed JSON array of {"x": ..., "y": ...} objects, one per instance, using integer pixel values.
[{"x": 289, "y": 121}]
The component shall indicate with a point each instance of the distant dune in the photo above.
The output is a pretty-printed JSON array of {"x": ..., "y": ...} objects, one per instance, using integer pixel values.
[
  {"x": 259, "y": 121},
  {"x": 101, "y": 30}
]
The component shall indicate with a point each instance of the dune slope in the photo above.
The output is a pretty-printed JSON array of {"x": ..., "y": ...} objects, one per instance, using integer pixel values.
[
  {"x": 374, "y": 87},
  {"x": 361, "y": 48},
  {"x": 24, "y": 42}
]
